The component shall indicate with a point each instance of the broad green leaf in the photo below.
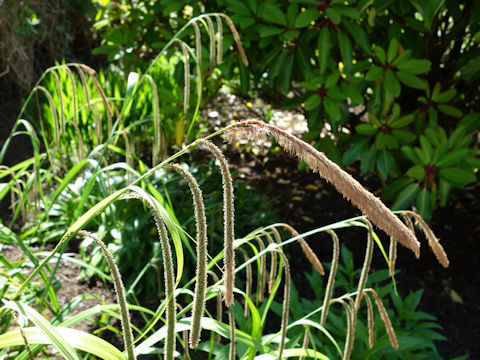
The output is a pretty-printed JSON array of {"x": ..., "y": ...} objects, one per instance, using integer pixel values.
[
  {"x": 266, "y": 30},
  {"x": 358, "y": 34},
  {"x": 52, "y": 334},
  {"x": 290, "y": 35},
  {"x": 348, "y": 11},
  {"x": 332, "y": 107},
  {"x": 449, "y": 110},
  {"x": 391, "y": 141},
  {"x": 77, "y": 339},
  {"x": 273, "y": 14},
  {"x": 403, "y": 57},
  {"x": 380, "y": 54},
  {"x": 323, "y": 48},
  {"x": 352, "y": 93},
  {"x": 406, "y": 197},
  {"x": 306, "y": 17},
  {"x": 238, "y": 7},
  {"x": 391, "y": 83},
  {"x": 452, "y": 158},
  {"x": 404, "y": 135},
  {"x": 424, "y": 204},
  {"x": 356, "y": 151},
  {"x": 401, "y": 121},
  {"x": 333, "y": 15},
  {"x": 416, "y": 172},
  {"x": 411, "y": 154},
  {"x": 313, "y": 102},
  {"x": 385, "y": 163},
  {"x": 440, "y": 151},
  {"x": 457, "y": 176},
  {"x": 368, "y": 160},
  {"x": 445, "y": 189},
  {"x": 374, "y": 73},
  {"x": 410, "y": 79},
  {"x": 392, "y": 50},
  {"x": 415, "y": 66},
  {"x": 445, "y": 96},
  {"x": 381, "y": 141},
  {"x": 365, "y": 129},
  {"x": 391, "y": 191},
  {"x": 345, "y": 51},
  {"x": 426, "y": 148}
]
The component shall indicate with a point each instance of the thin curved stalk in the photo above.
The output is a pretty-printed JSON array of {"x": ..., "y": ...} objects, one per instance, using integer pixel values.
[
  {"x": 331, "y": 277},
  {"x": 366, "y": 266}
]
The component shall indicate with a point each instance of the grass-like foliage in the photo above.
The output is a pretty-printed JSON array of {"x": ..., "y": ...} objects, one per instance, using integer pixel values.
[{"x": 80, "y": 148}]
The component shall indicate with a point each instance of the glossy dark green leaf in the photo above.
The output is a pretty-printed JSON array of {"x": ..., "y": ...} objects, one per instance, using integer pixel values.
[
  {"x": 457, "y": 176},
  {"x": 410, "y": 153},
  {"x": 452, "y": 158},
  {"x": 404, "y": 135},
  {"x": 391, "y": 141},
  {"x": 400, "y": 121},
  {"x": 381, "y": 141},
  {"x": 290, "y": 35},
  {"x": 351, "y": 91},
  {"x": 439, "y": 152},
  {"x": 374, "y": 73},
  {"x": 333, "y": 15},
  {"x": 427, "y": 148},
  {"x": 369, "y": 159},
  {"x": 334, "y": 93},
  {"x": 305, "y": 18},
  {"x": 445, "y": 96},
  {"x": 401, "y": 58},
  {"x": 385, "y": 163},
  {"x": 365, "y": 129},
  {"x": 235, "y": 6},
  {"x": 348, "y": 11},
  {"x": 410, "y": 79},
  {"x": 415, "y": 66},
  {"x": 449, "y": 110},
  {"x": 392, "y": 50},
  {"x": 391, "y": 191},
  {"x": 345, "y": 51},
  {"x": 380, "y": 54},
  {"x": 273, "y": 14},
  {"x": 313, "y": 102},
  {"x": 406, "y": 197},
  {"x": 287, "y": 73},
  {"x": 424, "y": 204},
  {"x": 444, "y": 191},
  {"x": 416, "y": 172},
  {"x": 332, "y": 107},
  {"x": 391, "y": 83},
  {"x": 323, "y": 48},
  {"x": 267, "y": 30},
  {"x": 356, "y": 151},
  {"x": 358, "y": 34}
]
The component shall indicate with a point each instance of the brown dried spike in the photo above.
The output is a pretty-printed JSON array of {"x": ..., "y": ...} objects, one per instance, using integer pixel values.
[
  {"x": 385, "y": 319},
  {"x": 433, "y": 241},
  {"x": 307, "y": 250},
  {"x": 370, "y": 318},
  {"x": 370, "y": 205},
  {"x": 392, "y": 256},
  {"x": 236, "y": 37},
  {"x": 262, "y": 277}
]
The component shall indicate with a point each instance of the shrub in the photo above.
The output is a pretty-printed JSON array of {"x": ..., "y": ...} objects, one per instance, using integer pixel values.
[{"x": 374, "y": 78}]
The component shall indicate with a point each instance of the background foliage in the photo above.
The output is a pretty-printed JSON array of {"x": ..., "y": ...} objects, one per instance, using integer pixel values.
[{"x": 391, "y": 87}]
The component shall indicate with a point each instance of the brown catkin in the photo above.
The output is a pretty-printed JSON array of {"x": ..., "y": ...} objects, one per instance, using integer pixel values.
[
  {"x": 433, "y": 241},
  {"x": 350, "y": 188}
]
